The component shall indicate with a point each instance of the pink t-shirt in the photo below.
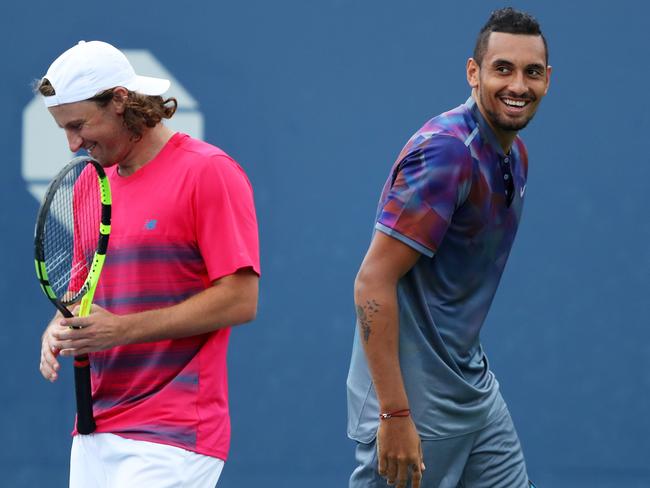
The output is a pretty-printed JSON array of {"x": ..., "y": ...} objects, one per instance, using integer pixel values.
[{"x": 180, "y": 222}]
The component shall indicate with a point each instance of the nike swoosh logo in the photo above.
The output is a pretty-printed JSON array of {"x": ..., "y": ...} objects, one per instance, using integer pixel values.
[{"x": 522, "y": 191}]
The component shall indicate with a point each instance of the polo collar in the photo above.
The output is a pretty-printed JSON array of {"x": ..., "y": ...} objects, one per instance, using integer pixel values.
[{"x": 483, "y": 126}]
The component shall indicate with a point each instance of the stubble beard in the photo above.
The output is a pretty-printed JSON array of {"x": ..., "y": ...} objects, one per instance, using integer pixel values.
[{"x": 503, "y": 123}]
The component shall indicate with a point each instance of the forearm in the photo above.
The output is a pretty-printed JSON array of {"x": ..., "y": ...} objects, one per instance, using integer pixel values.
[
  {"x": 378, "y": 322},
  {"x": 230, "y": 301}
]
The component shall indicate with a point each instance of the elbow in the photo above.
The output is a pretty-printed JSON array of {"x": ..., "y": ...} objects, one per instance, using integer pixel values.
[
  {"x": 250, "y": 312},
  {"x": 247, "y": 309},
  {"x": 244, "y": 297},
  {"x": 372, "y": 281},
  {"x": 362, "y": 282}
]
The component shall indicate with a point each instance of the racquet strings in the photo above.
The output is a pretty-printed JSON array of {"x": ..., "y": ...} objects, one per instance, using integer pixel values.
[{"x": 71, "y": 232}]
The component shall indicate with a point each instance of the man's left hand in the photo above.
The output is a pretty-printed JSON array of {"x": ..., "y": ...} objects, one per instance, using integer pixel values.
[{"x": 99, "y": 331}]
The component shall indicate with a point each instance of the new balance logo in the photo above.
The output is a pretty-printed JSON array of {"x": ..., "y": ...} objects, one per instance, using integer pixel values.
[
  {"x": 522, "y": 191},
  {"x": 150, "y": 224}
]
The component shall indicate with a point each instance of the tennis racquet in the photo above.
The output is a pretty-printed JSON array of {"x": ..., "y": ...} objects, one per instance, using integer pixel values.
[{"x": 70, "y": 241}]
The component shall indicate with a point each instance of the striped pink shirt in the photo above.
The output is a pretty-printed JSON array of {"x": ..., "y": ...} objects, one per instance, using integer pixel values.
[{"x": 185, "y": 219}]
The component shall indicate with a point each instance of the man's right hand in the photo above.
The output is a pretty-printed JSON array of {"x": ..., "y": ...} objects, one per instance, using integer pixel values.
[
  {"x": 399, "y": 452},
  {"x": 49, "y": 365},
  {"x": 375, "y": 296}
]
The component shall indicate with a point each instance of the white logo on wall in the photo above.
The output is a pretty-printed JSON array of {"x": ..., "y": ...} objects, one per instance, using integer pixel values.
[{"x": 45, "y": 147}]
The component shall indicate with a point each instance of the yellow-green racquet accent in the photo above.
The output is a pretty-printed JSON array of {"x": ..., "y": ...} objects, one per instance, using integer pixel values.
[{"x": 70, "y": 243}]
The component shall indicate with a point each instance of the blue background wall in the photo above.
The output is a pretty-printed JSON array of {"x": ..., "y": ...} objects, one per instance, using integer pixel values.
[{"x": 315, "y": 99}]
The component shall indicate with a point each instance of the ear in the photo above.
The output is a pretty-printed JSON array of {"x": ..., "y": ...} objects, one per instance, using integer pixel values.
[
  {"x": 548, "y": 78},
  {"x": 472, "y": 72},
  {"x": 120, "y": 95}
]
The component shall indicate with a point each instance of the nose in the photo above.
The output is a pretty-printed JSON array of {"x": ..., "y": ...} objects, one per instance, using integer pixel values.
[
  {"x": 75, "y": 141},
  {"x": 518, "y": 84}
]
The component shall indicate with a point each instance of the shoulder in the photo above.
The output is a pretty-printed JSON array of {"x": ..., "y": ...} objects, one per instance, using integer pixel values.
[
  {"x": 198, "y": 150},
  {"x": 205, "y": 159},
  {"x": 440, "y": 150},
  {"x": 441, "y": 140}
]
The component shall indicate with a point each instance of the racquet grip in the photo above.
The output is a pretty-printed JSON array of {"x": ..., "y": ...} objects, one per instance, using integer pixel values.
[{"x": 85, "y": 419}]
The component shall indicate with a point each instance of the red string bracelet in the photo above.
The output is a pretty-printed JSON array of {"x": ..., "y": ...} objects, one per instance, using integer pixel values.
[{"x": 397, "y": 413}]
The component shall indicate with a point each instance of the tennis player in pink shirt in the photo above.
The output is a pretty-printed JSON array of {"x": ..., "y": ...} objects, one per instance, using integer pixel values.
[{"x": 182, "y": 268}]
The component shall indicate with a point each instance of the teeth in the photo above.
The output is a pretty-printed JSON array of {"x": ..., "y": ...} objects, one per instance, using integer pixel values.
[{"x": 514, "y": 103}]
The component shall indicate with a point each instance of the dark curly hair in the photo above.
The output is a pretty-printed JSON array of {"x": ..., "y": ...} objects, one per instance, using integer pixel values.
[
  {"x": 140, "y": 111},
  {"x": 510, "y": 21}
]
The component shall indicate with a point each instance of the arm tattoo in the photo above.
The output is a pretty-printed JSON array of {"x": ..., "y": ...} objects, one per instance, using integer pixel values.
[{"x": 365, "y": 313}]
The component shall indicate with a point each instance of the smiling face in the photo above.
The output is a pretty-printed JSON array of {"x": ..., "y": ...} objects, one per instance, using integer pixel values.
[
  {"x": 98, "y": 130},
  {"x": 510, "y": 82}
]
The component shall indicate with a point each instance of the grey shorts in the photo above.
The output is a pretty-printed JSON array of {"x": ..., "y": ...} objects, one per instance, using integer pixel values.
[{"x": 489, "y": 458}]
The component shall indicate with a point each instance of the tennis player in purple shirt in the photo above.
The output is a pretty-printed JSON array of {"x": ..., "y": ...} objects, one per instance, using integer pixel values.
[{"x": 423, "y": 405}]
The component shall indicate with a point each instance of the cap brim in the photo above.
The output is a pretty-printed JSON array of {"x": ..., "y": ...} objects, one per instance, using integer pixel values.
[{"x": 148, "y": 85}]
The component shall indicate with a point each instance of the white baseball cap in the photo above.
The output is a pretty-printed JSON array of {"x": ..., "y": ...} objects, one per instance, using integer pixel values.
[{"x": 89, "y": 68}]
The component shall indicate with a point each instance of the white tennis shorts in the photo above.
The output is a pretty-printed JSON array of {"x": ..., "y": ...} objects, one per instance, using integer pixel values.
[{"x": 111, "y": 461}]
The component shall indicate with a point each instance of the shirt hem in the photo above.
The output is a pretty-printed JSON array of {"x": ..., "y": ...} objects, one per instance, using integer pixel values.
[{"x": 223, "y": 455}]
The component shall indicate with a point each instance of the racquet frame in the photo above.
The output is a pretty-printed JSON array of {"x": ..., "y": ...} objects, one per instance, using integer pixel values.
[{"x": 83, "y": 390}]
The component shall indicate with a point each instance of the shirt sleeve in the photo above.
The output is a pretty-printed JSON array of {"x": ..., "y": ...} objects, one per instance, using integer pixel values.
[
  {"x": 225, "y": 219},
  {"x": 430, "y": 182}
]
